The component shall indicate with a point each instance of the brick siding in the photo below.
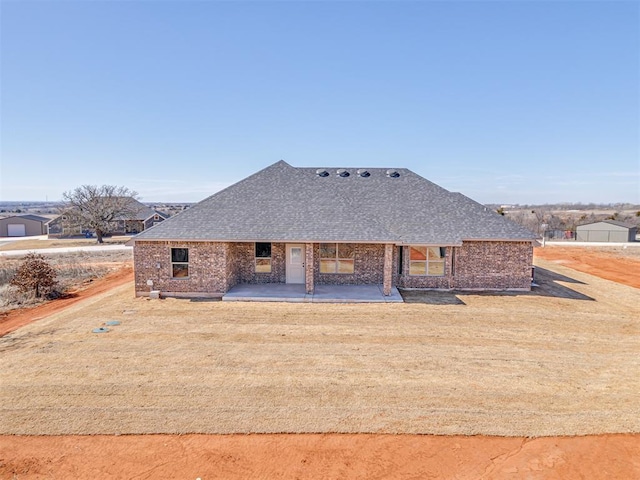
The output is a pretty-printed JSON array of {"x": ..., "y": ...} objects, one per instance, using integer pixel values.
[
  {"x": 215, "y": 267},
  {"x": 207, "y": 268},
  {"x": 242, "y": 264},
  {"x": 368, "y": 269},
  {"x": 477, "y": 266},
  {"x": 493, "y": 266}
]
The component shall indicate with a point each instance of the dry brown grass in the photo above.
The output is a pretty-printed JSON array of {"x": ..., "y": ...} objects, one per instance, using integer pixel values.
[
  {"x": 516, "y": 365},
  {"x": 73, "y": 270},
  {"x": 31, "y": 244}
]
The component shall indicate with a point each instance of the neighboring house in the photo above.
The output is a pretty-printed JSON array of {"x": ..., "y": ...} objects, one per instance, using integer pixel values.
[
  {"x": 606, "y": 231},
  {"x": 23, "y": 226},
  {"x": 312, "y": 226},
  {"x": 144, "y": 218}
]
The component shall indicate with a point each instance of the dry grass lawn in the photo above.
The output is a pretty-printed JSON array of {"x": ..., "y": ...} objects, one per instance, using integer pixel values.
[
  {"x": 31, "y": 244},
  {"x": 562, "y": 361}
]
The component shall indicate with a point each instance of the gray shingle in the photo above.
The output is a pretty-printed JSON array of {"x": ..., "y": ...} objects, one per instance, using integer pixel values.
[
  {"x": 284, "y": 203},
  {"x": 28, "y": 216}
]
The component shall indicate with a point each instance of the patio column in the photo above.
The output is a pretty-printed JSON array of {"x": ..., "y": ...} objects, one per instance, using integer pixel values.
[
  {"x": 388, "y": 268},
  {"x": 308, "y": 268}
]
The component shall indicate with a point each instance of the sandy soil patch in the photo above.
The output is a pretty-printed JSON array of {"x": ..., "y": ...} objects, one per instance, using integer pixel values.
[
  {"x": 618, "y": 264},
  {"x": 319, "y": 457}
]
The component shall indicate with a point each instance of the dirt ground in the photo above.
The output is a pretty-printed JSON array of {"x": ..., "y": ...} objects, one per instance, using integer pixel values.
[
  {"x": 328, "y": 456},
  {"x": 14, "y": 319},
  {"x": 335, "y": 455},
  {"x": 619, "y": 264}
]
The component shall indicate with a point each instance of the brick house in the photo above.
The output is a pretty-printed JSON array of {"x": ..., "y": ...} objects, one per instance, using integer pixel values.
[
  {"x": 283, "y": 224},
  {"x": 141, "y": 218}
]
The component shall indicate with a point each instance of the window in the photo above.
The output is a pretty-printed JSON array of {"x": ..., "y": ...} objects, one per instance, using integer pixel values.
[
  {"x": 427, "y": 261},
  {"x": 179, "y": 262},
  {"x": 337, "y": 257},
  {"x": 263, "y": 257}
]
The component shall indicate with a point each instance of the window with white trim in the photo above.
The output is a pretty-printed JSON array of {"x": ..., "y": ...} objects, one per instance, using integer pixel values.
[
  {"x": 337, "y": 258},
  {"x": 179, "y": 262},
  {"x": 426, "y": 261},
  {"x": 263, "y": 257}
]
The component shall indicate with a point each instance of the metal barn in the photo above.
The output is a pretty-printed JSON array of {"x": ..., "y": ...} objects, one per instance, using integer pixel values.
[
  {"x": 606, "y": 231},
  {"x": 23, "y": 226}
]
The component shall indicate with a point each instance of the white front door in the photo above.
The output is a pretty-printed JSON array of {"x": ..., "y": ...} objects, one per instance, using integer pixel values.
[{"x": 295, "y": 263}]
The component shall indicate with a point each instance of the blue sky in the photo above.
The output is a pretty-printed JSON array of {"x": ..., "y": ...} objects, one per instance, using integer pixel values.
[{"x": 506, "y": 102}]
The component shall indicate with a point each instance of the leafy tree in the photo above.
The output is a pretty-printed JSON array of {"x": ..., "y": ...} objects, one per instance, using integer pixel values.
[
  {"x": 99, "y": 207},
  {"x": 35, "y": 275}
]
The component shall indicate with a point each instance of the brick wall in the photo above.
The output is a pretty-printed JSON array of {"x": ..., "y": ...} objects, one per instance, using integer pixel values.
[
  {"x": 477, "y": 266},
  {"x": 493, "y": 265},
  {"x": 309, "y": 270},
  {"x": 216, "y": 267},
  {"x": 207, "y": 268},
  {"x": 368, "y": 270},
  {"x": 242, "y": 264}
]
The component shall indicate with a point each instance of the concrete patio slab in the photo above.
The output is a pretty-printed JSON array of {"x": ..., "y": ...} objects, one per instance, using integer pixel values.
[
  {"x": 354, "y": 294},
  {"x": 280, "y": 292},
  {"x": 267, "y": 292}
]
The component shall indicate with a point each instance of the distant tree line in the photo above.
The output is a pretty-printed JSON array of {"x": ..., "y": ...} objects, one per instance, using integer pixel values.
[{"x": 543, "y": 218}]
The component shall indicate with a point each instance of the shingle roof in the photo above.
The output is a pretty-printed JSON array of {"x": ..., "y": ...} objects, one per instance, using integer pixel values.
[
  {"x": 617, "y": 223},
  {"x": 139, "y": 210},
  {"x": 142, "y": 212},
  {"x": 284, "y": 203},
  {"x": 36, "y": 218}
]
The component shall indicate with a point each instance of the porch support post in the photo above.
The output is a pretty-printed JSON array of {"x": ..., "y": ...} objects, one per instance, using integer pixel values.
[
  {"x": 388, "y": 268},
  {"x": 308, "y": 268}
]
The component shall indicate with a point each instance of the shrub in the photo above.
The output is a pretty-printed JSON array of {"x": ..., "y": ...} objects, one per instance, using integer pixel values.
[{"x": 35, "y": 275}]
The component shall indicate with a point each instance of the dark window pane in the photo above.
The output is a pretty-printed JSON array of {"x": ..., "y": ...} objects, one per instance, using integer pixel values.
[
  {"x": 346, "y": 250},
  {"x": 263, "y": 250},
  {"x": 327, "y": 250},
  {"x": 263, "y": 265},
  {"x": 180, "y": 255},
  {"x": 180, "y": 270}
]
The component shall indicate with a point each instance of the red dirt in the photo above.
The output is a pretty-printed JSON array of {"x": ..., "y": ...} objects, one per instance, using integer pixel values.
[
  {"x": 319, "y": 457},
  {"x": 324, "y": 456},
  {"x": 17, "y": 318},
  {"x": 605, "y": 265}
]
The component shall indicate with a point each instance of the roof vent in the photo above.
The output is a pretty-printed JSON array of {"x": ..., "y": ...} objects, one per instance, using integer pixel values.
[
  {"x": 342, "y": 172},
  {"x": 393, "y": 173},
  {"x": 364, "y": 173},
  {"x": 321, "y": 172}
]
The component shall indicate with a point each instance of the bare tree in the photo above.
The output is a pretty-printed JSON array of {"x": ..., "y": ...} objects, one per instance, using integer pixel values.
[{"x": 99, "y": 207}]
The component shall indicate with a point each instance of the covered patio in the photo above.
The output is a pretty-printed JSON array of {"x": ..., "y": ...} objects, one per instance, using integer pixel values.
[{"x": 284, "y": 292}]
